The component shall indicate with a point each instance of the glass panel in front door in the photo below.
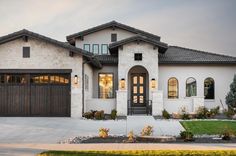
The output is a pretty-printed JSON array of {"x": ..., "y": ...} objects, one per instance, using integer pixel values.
[{"x": 138, "y": 89}]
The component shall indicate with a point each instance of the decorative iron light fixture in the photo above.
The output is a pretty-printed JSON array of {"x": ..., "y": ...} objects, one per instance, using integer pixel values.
[
  {"x": 122, "y": 84},
  {"x": 153, "y": 83}
]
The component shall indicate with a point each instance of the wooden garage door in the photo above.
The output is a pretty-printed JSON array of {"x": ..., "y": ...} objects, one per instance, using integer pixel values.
[{"x": 23, "y": 94}]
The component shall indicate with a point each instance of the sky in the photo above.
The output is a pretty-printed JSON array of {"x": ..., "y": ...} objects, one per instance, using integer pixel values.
[{"x": 208, "y": 25}]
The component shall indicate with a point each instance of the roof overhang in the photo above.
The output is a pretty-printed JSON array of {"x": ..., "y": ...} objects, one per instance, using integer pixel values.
[{"x": 162, "y": 47}]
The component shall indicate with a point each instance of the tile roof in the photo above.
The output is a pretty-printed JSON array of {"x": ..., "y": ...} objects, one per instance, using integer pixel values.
[
  {"x": 107, "y": 59},
  {"x": 180, "y": 55}
]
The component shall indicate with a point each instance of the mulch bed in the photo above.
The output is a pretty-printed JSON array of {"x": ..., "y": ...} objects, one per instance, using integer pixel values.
[{"x": 122, "y": 139}]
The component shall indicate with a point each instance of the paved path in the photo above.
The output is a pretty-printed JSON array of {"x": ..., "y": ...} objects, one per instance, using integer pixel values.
[
  {"x": 53, "y": 130},
  {"x": 33, "y": 149}
]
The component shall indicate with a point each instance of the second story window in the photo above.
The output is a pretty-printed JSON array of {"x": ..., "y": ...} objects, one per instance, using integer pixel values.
[
  {"x": 138, "y": 56},
  {"x": 104, "y": 49},
  {"x": 113, "y": 37},
  {"x": 87, "y": 47},
  {"x": 95, "y": 48}
]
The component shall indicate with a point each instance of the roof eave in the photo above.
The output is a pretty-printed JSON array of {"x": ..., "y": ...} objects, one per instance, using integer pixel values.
[
  {"x": 162, "y": 47},
  {"x": 198, "y": 63}
]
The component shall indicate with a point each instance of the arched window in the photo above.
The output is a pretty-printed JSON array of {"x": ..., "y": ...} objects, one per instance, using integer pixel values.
[
  {"x": 173, "y": 88},
  {"x": 209, "y": 88},
  {"x": 191, "y": 87}
]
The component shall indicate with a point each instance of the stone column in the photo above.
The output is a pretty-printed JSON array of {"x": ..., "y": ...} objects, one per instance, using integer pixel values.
[
  {"x": 197, "y": 102},
  {"x": 157, "y": 103},
  {"x": 121, "y": 102}
]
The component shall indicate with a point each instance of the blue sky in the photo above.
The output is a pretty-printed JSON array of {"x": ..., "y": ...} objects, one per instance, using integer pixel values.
[{"x": 208, "y": 25}]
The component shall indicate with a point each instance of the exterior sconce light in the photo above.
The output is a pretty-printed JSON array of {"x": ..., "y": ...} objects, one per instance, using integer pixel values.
[
  {"x": 153, "y": 83},
  {"x": 122, "y": 84},
  {"x": 76, "y": 79}
]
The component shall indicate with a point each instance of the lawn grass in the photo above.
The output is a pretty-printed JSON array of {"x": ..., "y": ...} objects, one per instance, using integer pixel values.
[
  {"x": 139, "y": 153},
  {"x": 209, "y": 127}
]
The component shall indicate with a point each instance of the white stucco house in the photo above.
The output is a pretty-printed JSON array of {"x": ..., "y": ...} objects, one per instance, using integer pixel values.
[{"x": 110, "y": 66}]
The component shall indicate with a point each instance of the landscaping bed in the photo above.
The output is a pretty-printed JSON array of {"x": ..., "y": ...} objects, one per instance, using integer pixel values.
[
  {"x": 142, "y": 152},
  {"x": 123, "y": 139}
]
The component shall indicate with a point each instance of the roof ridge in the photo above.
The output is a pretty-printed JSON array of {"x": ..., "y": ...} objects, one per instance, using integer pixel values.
[{"x": 205, "y": 52}]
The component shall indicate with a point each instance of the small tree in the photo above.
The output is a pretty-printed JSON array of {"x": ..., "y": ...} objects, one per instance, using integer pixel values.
[{"x": 231, "y": 96}]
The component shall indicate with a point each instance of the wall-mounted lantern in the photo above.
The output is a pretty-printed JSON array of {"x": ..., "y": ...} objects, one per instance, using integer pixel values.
[
  {"x": 153, "y": 83},
  {"x": 122, "y": 84},
  {"x": 76, "y": 79}
]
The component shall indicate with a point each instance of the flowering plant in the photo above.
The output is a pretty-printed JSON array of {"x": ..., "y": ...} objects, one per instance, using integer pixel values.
[
  {"x": 147, "y": 131},
  {"x": 103, "y": 132},
  {"x": 131, "y": 137}
]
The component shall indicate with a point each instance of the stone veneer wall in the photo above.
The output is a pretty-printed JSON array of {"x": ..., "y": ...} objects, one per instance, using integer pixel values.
[
  {"x": 126, "y": 62},
  {"x": 44, "y": 56}
]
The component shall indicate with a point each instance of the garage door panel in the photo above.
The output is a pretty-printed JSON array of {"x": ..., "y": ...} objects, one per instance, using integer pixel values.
[
  {"x": 3, "y": 100},
  {"x": 17, "y": 100},
  {"x": 40, "y": 100},
  {"x": 60, "y": 102}
]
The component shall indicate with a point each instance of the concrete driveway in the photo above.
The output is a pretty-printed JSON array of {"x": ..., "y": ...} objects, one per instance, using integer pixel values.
[{"x": 53, "y": 130}]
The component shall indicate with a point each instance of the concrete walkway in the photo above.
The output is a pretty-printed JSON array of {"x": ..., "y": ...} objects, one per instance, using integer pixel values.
[
  {"x": 53, "y": 130},
  {"x": 33, "y": 149}
]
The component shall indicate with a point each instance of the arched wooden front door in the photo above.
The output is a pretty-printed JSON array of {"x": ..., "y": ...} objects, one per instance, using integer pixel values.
[{"x": 138, "y": 89}]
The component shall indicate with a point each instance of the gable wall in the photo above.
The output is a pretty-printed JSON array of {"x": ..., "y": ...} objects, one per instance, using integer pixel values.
[
  {"x": 103, "y": 37},
  {"x": 44, "y": 56}
]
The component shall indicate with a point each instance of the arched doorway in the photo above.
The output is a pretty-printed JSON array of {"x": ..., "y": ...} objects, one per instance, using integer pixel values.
[{"x": 138, "y": 90}]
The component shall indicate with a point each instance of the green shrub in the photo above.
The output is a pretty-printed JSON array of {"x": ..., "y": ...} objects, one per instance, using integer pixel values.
[
  {"x": 230, "y": 99},
  {"x": 165, "y": 114},
  {"x": 226, "y": 134},
  {"x": 88, "y": 115},
  {"x": 186, "y": 135},
  {"x": 215, "y": 111},
  {"x": 185, "y": 116},
  {"x": 93, "y": 112},
  {"x": 202, "y": 113},
  {"x": 113, "y": 114},
  {"x": 229, "y": 112},
  {"x": 99, "y": 115}
]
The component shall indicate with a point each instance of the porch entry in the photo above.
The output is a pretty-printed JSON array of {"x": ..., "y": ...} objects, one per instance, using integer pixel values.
[{"x": 138, "y": 102}]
